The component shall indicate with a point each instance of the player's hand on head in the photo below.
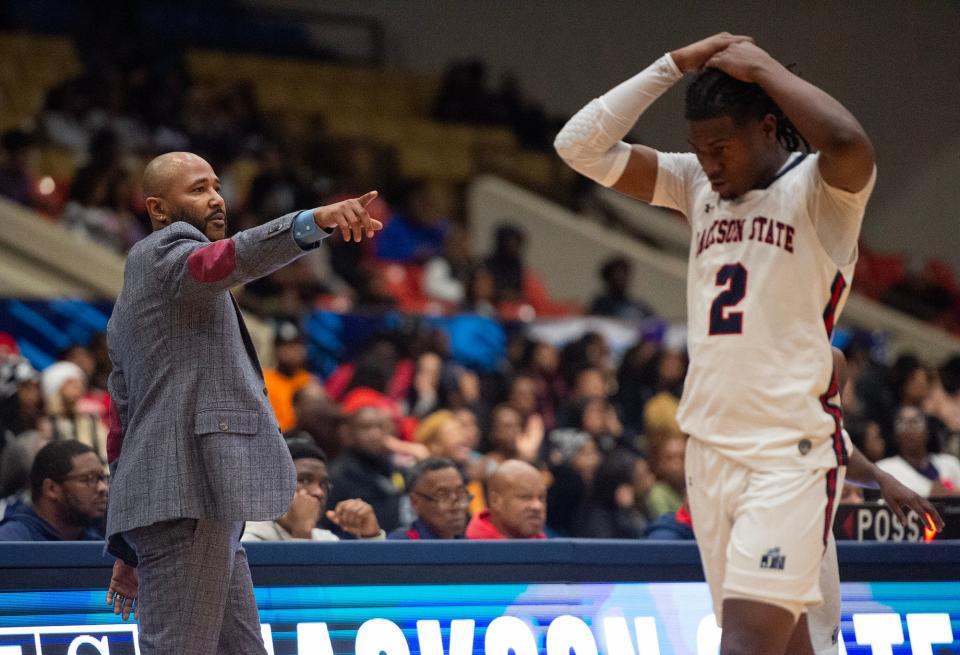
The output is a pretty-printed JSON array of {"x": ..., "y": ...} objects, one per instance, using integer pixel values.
[
  {"x": 693, "y": 57},
  {"x": 741, "y": 60},
  {"x": 350, "y": 217},
  {"x": 356, "y": 517}
]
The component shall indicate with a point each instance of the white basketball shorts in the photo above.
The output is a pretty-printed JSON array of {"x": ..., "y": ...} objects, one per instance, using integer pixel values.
[{"x": 761, "y": 534}]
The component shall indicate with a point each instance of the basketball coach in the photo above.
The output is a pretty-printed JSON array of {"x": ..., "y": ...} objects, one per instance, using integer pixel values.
[{"x": 194, "y": 447}]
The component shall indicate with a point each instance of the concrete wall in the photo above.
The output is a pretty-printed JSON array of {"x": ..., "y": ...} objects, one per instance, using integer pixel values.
[{"x": 894, "y": 63}]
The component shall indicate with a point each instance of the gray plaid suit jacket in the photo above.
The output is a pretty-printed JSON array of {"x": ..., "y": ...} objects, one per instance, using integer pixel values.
[{"x": 196, "y": 435}]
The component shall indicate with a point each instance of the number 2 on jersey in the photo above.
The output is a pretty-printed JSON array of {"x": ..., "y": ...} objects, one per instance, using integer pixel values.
[{"x": 734, "y": 278}]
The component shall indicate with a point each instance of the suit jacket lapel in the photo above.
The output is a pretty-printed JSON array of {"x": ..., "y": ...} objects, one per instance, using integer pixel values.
[{"x": 247, "y": 341}]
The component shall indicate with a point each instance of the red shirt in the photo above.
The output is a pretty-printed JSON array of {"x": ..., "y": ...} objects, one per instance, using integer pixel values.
[{"x": 481, "y": 527}]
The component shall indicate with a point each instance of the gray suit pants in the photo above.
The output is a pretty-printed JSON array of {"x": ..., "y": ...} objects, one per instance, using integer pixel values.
[{"x": 195, "y": 595}]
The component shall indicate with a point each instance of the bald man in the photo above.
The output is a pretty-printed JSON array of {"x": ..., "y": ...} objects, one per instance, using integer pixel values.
[
  {"x": 194, "y": 447},
  {"x": 517, "y": 500}
]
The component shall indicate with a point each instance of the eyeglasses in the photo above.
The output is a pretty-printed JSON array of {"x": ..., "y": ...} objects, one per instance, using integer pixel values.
[
  {"x": 461, "y": 497},
  {"x": 90, "y": 479}
]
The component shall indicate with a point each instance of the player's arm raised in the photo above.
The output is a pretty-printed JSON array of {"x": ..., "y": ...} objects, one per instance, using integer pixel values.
[
  {"x": 846, "y": 154},
  {"x": 591, "y": 141}
]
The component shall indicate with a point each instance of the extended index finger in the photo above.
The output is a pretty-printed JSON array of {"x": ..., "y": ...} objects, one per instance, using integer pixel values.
[{"x": 368, "y": 197}]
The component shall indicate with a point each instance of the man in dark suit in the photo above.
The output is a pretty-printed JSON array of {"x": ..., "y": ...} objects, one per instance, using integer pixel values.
[{"x": 195, "y": 449}]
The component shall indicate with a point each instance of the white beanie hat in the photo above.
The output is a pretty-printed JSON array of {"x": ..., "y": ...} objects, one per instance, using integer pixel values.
[{"x": 55, "y": 375}]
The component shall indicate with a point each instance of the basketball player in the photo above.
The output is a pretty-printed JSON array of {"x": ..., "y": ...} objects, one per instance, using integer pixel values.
[
  {"x": 824, "y": 620},
  {"x": 774, "y": 243}
]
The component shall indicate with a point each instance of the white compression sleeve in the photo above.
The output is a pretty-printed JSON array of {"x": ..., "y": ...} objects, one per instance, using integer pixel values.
[{"x": 591, "y": 143}]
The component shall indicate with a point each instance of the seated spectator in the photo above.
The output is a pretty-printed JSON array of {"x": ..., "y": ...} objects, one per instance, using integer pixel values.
[
  {"x": 277, "y": 189},
  {"x": 364, "y": 469},
  {"x": 517, "y": 499},
  {"x": 480, "y": 294},
  {"x": 16, "y": 184},
  {"x": 672, "y": 526},
  {"x": 96, "y": 400},
  {"x": 423, "y": 396},
  {"x": 505, "y": 436},
  {"x": 616, "y": 507},
  {"x": 416, "y": 232},
  {"x": 445, "y": 276},
  {"x": 16, "y": 460},
  {"x": 68, "y": 487},
  {"x": 439, "y": 498},
  {"x": 615, "y": 301},
  {"x": 444, "y": 436},
  {"x": 64, "y": 386},
  {"x": 572, "y": 458},
  {"x": 318, "y": 419},
  {"x": 290, "y": 375},
  {"x": 666, "y": 462},
  {"x": 506, "y": 264},
  {"x": 21, "y": 402},
  {"x": 309, "y": 505},
  {"x": 925, "y": 473}
]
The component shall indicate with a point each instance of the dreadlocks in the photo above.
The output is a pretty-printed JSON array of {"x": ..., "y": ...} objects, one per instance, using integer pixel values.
[{"x": 713, "y": 93}]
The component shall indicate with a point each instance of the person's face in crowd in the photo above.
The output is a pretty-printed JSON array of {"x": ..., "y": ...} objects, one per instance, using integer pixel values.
[
  {"x": 874, "y": 447},
  {"x": 591, "y": 383},
  {"x": 671, "y": 369},
  {"x": 312, "y": 478},
  {"x": 482, "y": 286},
  {"x": 910, "y": 426},
  {"x": 30, "y": 398},
  {"x": 367, "y": 432},
  {"x": 505, "y": 430},
  {"x": 429, "y": 367},
  {"x": 523, "y": 395},
  {"x": 519, "y": 509},
  {"x": 193, "y": 196},
  {"x": 643, "y": 478},
  {"x": 471, "y": 429},
  {"x": 852, "y": 495},
  {"x": 72, "y": 391},
  {"x": 291, "y": 355},
  {"x": 546, "y": 359},
  {"x": 594, "y": 420},
  {"x": 451, "y": 442},
  {"x": 619, "y": 278},
  {"x": 440, "y": 499},
  {"x": 597, "y": 351},
  {"x": 917, "y": 386},
  {"x": 670, "y": 462},
  {"x": 83, "y": 358},
  {"x": 82, "y": 496},
  {"x": 586, "y": 461},
  {"x": 735, "y": 155}
]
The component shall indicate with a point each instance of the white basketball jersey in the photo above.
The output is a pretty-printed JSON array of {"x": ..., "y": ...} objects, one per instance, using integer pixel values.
[{"x": 768, "y": 275}]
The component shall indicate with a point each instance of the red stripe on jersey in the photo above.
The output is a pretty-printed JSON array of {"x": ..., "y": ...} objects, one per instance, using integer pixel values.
[
  {"x": 839, "y": 448},
  {"x": 214, "y": 262},
  {"x": 831, "y": 498},
  {"x": 830, "y": 311}
]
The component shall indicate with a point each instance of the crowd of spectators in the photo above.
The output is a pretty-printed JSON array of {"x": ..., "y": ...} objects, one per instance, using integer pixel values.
[{"x": 402, "y": 442}]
